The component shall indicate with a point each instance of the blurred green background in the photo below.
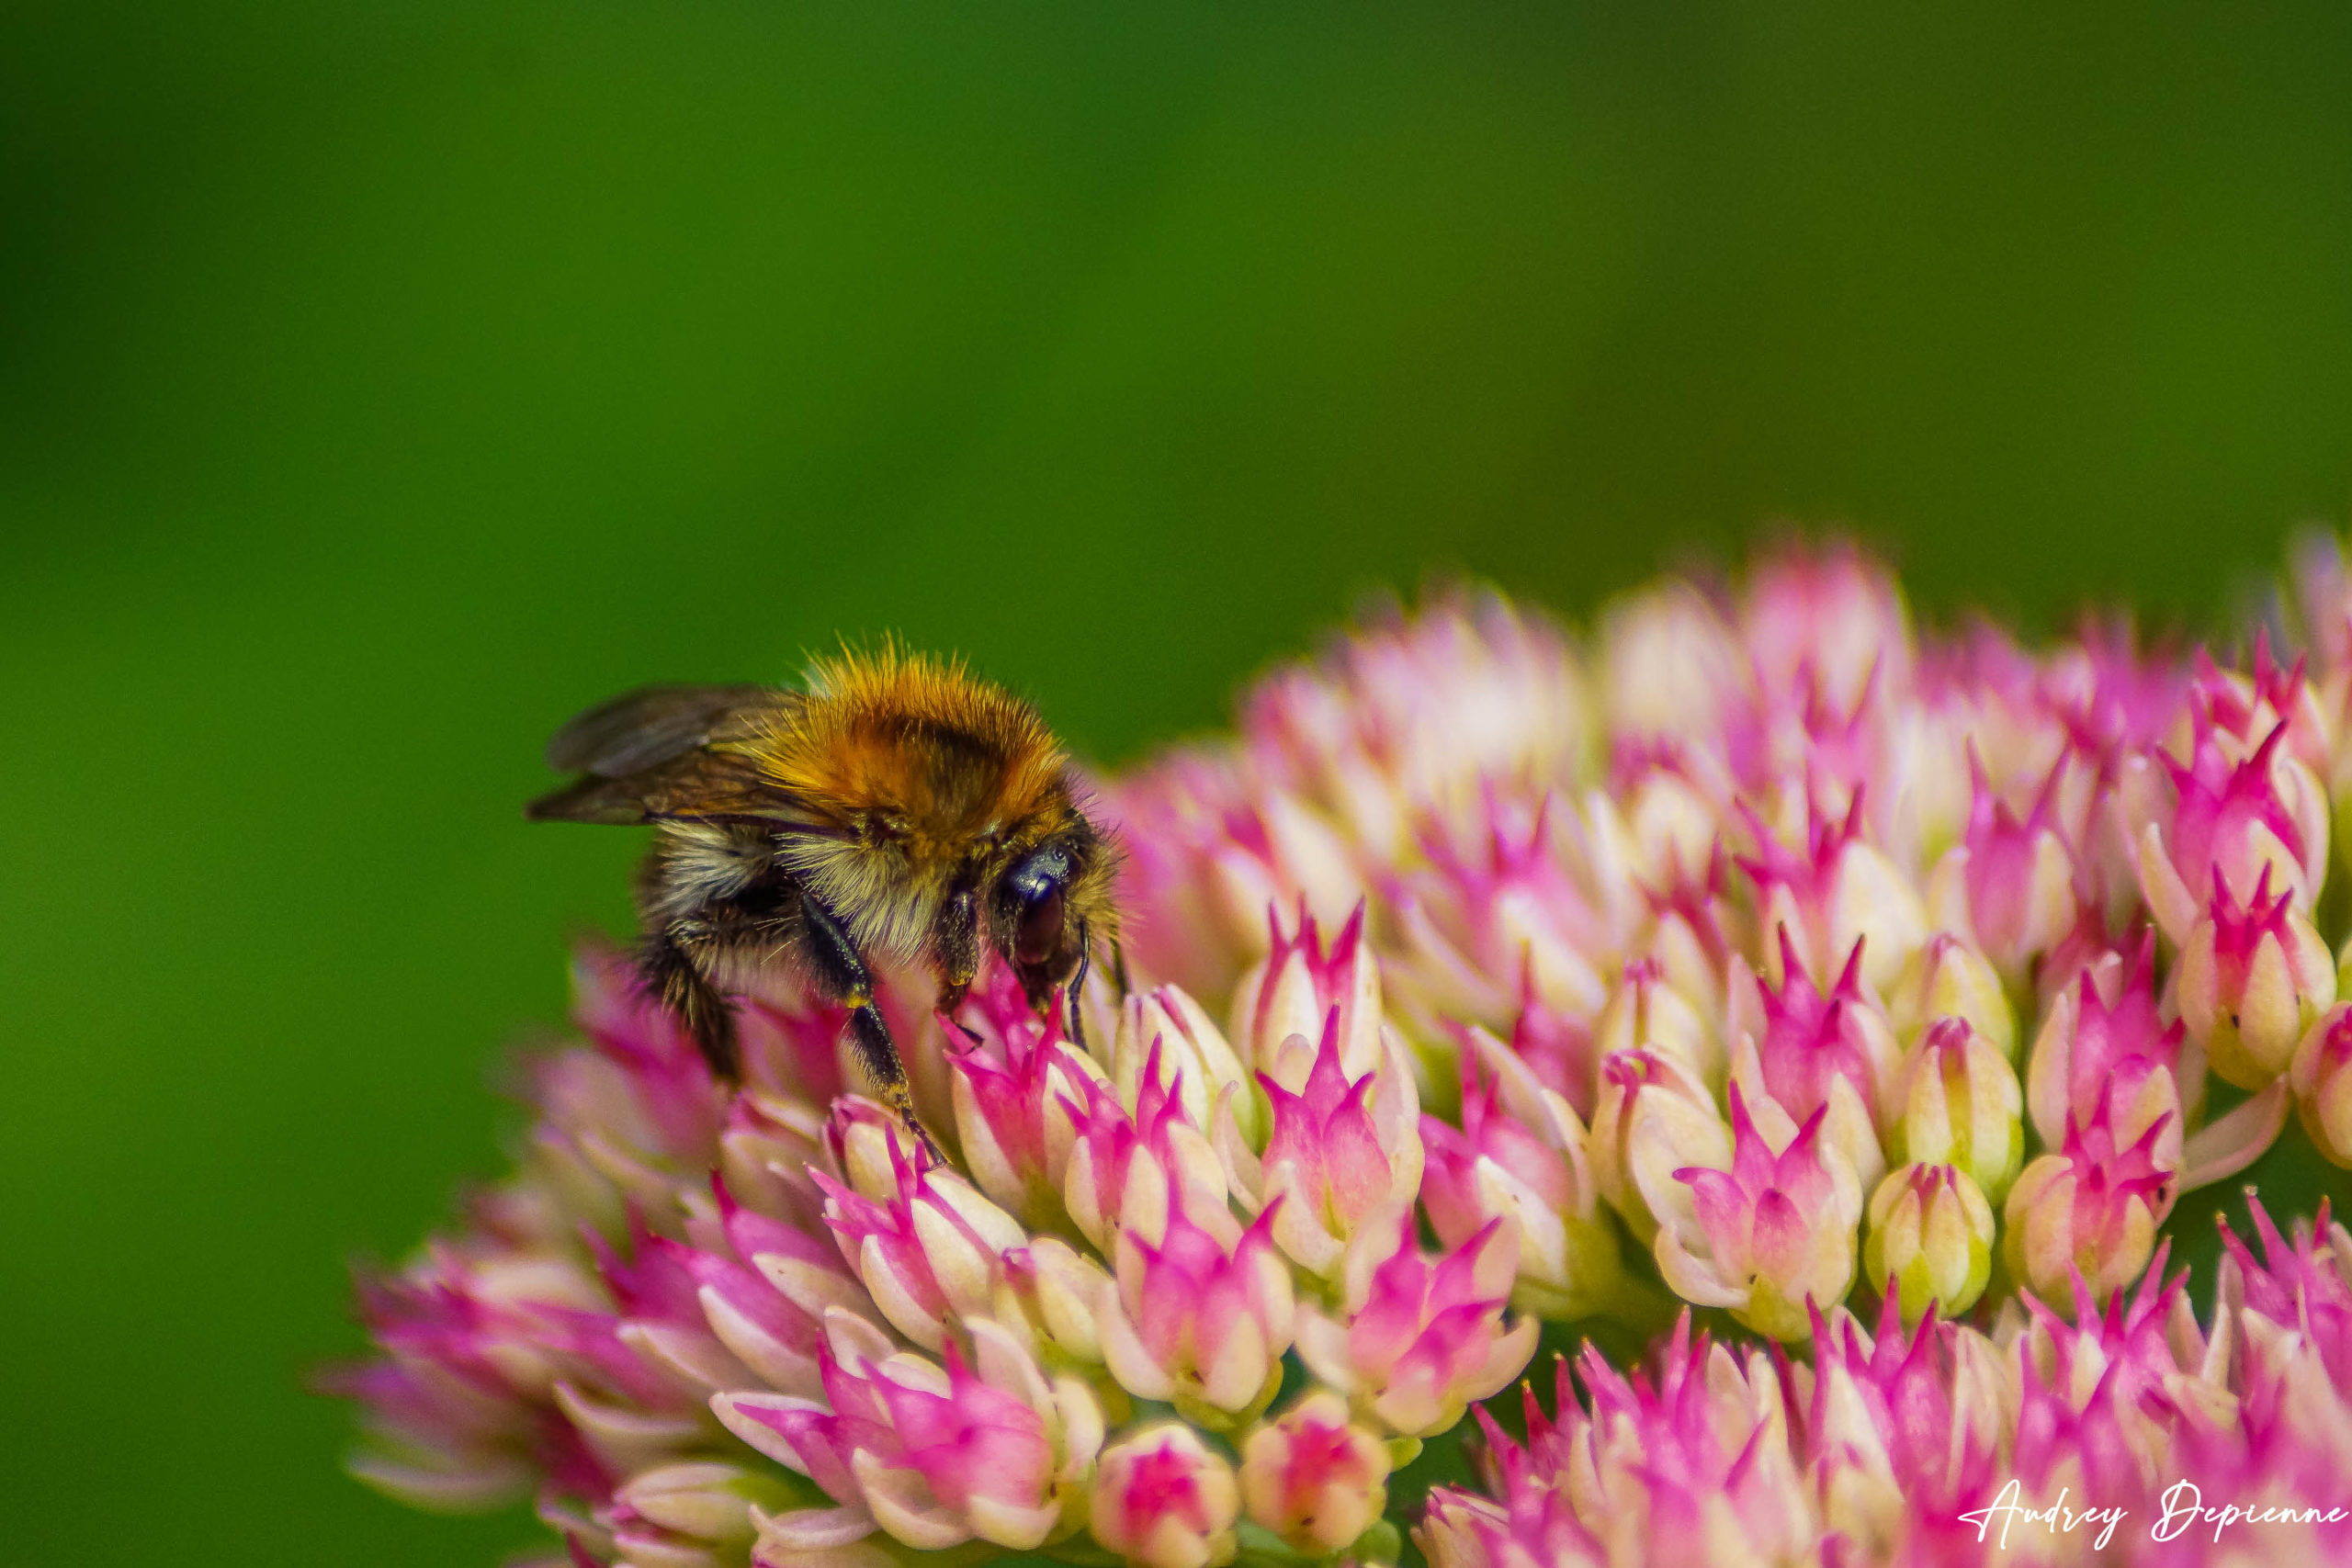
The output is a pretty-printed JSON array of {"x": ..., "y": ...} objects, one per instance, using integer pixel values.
[{"x": 380, "y": 383}]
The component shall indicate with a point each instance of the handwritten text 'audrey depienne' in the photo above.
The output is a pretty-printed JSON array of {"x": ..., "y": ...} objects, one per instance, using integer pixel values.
[{"x": 2184, "y": 1508}]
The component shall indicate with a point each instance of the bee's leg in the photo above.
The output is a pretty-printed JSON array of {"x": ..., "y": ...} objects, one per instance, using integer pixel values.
[
  {"x": 841, "y": 972},
  {"x": 668, "y": 971},
  {"x": 871, "y": 1034},
  {"x": 1119, "y": 969},
  {"x": 955, "y": 944}
]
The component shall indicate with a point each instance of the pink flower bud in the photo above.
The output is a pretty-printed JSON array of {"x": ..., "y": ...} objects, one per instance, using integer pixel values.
[
  {"x": 1829, "y": 612},
  {"x": 1666, "y": 811},
  {"x": 2090, "y": 1210},
  {"x": 2110, "y": 697},
  {"x": 1339, "y": 1149},
  {"x": 766, "y": 1152},
  {"x": 1961, "y": 1106},
  {"x": 1122, "y": 1166},
  {"x": 1414, "y": 714},
  {"x": 2105, "y": 1037},
  {"x": 1534, "y": 1525},
  {"x": 1796, "y": 1052},
  {"x": 1299, "y": 983},
  {"x": 1057, "y": 1289},
  {"x": 1909, "y": 1416},
  {"x": 1304, "y": 734},
  {"x": 1498, "y": 909},
  {"x": 1012, "y": 1091},
  {"x": 2305, "y": 1284},
  {"x": 2248, "y": 706},
  {"x": 1163, "y": 1500},
  {"x": 2323, "y": 1086},
  {"x": 1673, "y": 663},
  {"x": 1810, "y": 746},
  {"x": 671, "y": 1106},
  {"x": 1199, "y": 1315},
  {"x": 1978, "y": 692},
  {"x": 2237, "y": 822},
  {"x": 1194, "y": 1060},
  {"x": 758, "y": 1289},
  {"x": 1647, "y": 1011},
  {"x": 1653, "y": 1117},
  {"x": 2010, "y": 883},
  {"x": 1836, "y": 898},
  {"x": 2252, "y": 978},
  {"x": 1313, "y": 1477},
  {"x": 2125, "y": 1362},
  {"x": 1208, "y": 852},
  {"x": 932, "y": 1253},
  {"x": 2109, "y": 704},
  {"x": 1932, "y": 1236},
  {"x": 1689, "y": 1460},
  {"x": 1522, "y": 1152},
  {"x": 1696, "y": 929},
  {"x": 871, "y": 1148},
  {"x": 457, "y": 1406},
  {"x": 2321, "y": 591},
  {"x": 934, "y": 1456},
  {"x": 1773, "y": 1235},
  {"x": 1948, "y": 978},
  {"x": 664, "y": 1514},
  {"x": 1558, "y": 1049},
  {"x": 1420, "y": 1337},
  {"x": 658, "y": 1350}
]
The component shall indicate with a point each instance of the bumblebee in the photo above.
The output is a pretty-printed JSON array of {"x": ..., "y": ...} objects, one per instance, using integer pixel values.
[{"x": 896, "y": 811}]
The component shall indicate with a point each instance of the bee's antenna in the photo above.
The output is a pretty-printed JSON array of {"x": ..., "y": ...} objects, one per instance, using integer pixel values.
[{"x": 1078, "y": 983}]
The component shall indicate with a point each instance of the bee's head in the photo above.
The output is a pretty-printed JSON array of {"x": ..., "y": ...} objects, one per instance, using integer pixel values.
[{"x": 1052, "y": 900}]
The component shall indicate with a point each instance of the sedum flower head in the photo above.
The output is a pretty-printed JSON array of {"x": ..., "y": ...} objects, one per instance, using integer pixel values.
[{"x": 1761, "y": 958}]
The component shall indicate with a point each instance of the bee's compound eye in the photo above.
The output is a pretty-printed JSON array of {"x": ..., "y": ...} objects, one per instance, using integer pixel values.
[
  {"x": 1035, "y": 896},
  {"x": 1039, "y": 935}
]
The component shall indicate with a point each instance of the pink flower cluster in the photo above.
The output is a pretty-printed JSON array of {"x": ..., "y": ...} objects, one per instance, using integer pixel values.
[
  {"x": 711, "y": 1328},
  {"x": 2132, "y": 1435},
  {"x": 1758, "y": 955}
]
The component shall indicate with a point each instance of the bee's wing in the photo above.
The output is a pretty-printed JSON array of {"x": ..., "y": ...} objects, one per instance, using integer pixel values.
[
  {"x": 643, "y": 755},
  {"x": 653, "y": 724}
]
